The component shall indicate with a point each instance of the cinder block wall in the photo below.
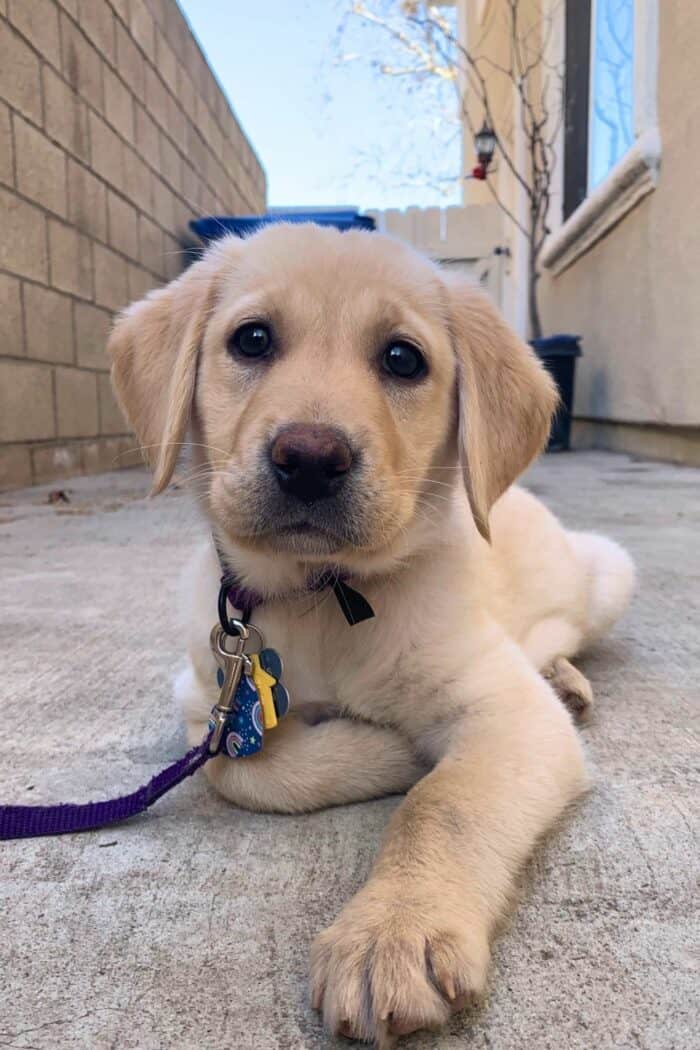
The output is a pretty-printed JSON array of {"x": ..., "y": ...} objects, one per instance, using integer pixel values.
[{"x": 113, "y": 134}]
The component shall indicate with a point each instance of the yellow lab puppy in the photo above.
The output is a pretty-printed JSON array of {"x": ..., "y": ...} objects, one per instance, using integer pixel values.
[{"x": 352, "y": 406}]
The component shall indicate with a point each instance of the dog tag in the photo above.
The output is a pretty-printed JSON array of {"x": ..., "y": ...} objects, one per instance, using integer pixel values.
[
  {"x": 271, "y": 665},
  {"x": 259, "y": 701},
  {"x": 243, "y": 735},
  {"x": 264, "y": 683},
  {"x": 243, "y": 729}
]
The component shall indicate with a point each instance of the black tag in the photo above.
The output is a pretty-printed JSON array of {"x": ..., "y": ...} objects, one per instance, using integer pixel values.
[{"x": 355, "y": 607}]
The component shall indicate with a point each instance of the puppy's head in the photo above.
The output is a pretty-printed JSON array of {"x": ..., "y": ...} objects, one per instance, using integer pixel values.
[{"x": 329, "y": 381}]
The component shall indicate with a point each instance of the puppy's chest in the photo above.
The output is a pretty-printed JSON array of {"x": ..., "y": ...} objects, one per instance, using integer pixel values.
[
  {"x": 315, "y": 654},
  {"x": 358, "y": 668}
]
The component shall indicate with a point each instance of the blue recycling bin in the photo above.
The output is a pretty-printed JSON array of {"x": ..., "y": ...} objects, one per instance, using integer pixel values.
[{"x": 211, "y": 227}]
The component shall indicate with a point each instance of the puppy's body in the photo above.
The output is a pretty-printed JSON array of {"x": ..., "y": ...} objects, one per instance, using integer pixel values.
[
  {"x": 329, "y": 448},
  {"x": 548, "y": 590}
]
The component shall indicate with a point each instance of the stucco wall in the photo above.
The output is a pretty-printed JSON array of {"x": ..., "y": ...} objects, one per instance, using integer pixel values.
[
  {"x": 113, "y": 134},
  {"x": 633, "y": 296}
]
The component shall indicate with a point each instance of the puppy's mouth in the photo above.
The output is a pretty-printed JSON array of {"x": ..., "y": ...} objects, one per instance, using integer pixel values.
[
  {"x": 304, "y": 537},
  {"x": 313, "y": 533}
]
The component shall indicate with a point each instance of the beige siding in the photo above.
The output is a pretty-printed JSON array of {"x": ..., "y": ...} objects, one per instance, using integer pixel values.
[{"x": 633, "y": 296}]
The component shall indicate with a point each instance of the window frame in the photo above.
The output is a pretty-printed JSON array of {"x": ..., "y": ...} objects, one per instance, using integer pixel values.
[{"x": 634, "y": 175}]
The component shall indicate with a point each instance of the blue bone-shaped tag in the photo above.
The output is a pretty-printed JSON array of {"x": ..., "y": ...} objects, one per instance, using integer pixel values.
[{"x": 244, "y": 729}]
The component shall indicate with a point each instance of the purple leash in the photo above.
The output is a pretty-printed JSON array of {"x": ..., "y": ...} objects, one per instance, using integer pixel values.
[{"x": 25, "y": 822}]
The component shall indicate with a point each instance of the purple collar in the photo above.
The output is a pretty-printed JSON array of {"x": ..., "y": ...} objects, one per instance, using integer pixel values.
[{"x": 354, "y": 606}]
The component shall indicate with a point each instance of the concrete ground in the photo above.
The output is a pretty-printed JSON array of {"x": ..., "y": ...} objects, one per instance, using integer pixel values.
[{"x": 190, "y": 927}]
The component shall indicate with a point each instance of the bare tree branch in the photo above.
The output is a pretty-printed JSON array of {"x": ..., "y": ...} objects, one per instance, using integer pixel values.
[{"x": 423, "y": 45}]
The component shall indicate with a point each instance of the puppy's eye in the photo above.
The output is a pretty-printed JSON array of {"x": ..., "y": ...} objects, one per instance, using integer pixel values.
[
  {"x": 251, "y": 340},
  {"x": 404, "y": 361}
]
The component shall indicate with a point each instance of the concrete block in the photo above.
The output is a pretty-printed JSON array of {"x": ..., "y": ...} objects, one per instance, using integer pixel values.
[
  {"x": 92, "y": 326},
  {"x": 49, "y": 324},
  {"x": 7, "y": 170},
  {"x": 166, "y": 61},
  {"x": 196, "y": 151},
  {"x": 158, "y": 9},
  {"x": 111, "y": 419},
  {"x": 156, "y": 97},
  {"x": 97, "y": 22},
  {"x": 107, "y": 151},
  {"x": 20, "y": 82},
  {"x": 130, "y": 454},
  {"x": 111, "y": 280},
  {"x": 177, "y": 123},
  {"x": 164, "y": 204},
  {"x": 123, "y": 225},
  {"x": 41, "y": 168},
  {"x": 177, "y": 31},
  {"x": 55, "y": 461},
  {"x": 174, "y": 257},
  {"x": 186, "y": 92},
  {"x": 104, "y": 453},
  {"x": 66, "y": 115},
  {"x": 122, "y": 9},
  {"x": 119, "y": 104},
  {"x": 170, "y": 163},
  {"x": 26, "y": 401},
  {"x": 38, "y": 22},
  {"x": 71, "y": 6},
  {"x": 140, "y": 282},
  {"x": 11, "y": 335},
  {"x": 81, "y": 64},
  {"x": 143, "y": 28},
  {"x": 15, "y": 467},
  {"x": 137, "y": 180},
  {"x": 130, "y": 62},
  {"x": 191, "y": 186},
  {"x": 151, "y": 247},
  {"x": 76, "y": 403},
  {"x": 147, "y": 137},
  {"x": 87, "y": 201},
  {"x": 71, "y": 259},
  {"x": 23, "y": 241}
]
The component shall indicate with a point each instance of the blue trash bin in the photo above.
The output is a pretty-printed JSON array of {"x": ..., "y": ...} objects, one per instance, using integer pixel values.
[{"x": 212, "y": 227}]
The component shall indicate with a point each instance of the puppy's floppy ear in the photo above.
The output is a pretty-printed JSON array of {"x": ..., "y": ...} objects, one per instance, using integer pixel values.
[
  {"x": 506, "y": 399},
  {"x": 154, "y": 346}
]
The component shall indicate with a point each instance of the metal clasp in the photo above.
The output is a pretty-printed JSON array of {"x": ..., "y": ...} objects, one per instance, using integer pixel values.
[{"x": 233, "y": 664}]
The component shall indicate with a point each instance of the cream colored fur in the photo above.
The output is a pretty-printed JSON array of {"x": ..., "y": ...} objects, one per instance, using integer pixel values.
[{"x": 441, "y": 695}]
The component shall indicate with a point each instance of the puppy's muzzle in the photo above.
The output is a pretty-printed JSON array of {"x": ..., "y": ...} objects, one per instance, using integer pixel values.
[{"x": 311, "y": 462}]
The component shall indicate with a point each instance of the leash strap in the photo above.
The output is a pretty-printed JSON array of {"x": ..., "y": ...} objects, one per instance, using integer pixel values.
[{"x": 24, "y": 822}]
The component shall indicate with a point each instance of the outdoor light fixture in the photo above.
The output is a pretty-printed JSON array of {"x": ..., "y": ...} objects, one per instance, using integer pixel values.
[{"x": 485, "y": 146}]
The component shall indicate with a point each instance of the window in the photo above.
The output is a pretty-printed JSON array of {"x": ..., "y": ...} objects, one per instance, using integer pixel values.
[
  {"x": 611, "y": 112},
  {"x": 599, "y": 93},
  {"x": 611, "y": 141}
]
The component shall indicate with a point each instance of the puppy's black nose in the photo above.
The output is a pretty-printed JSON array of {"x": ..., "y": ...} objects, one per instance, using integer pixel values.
[{"x": 310, "y": 461}]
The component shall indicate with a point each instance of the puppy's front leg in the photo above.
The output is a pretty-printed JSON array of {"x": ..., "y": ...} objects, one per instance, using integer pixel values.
[
  {"x": 413, "y": 944},
  {"x": 304, "y": 766}
]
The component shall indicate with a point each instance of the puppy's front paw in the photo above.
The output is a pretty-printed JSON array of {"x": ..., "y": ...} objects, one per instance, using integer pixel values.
[{"x": 395, "y": 961}]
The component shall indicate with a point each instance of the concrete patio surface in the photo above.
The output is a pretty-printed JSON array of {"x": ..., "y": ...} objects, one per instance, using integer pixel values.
[{"x": 190, "y": 927}]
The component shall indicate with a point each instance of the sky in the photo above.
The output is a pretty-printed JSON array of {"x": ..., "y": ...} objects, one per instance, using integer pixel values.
[{"x": 328, "y": 131}]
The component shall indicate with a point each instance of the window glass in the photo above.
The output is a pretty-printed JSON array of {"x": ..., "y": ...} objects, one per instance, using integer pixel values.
[{"x": 611, "y": 117}]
